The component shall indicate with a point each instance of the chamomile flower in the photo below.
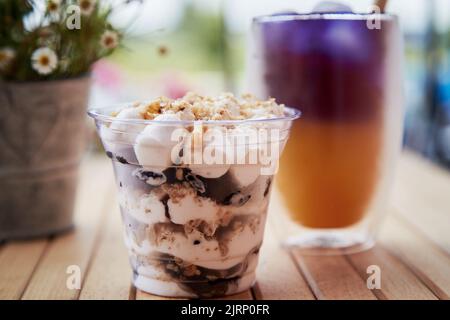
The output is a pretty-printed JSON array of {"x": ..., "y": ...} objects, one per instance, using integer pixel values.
[
  {"x": 44, "y": 60},
  {"x": 109, "y": 39},
  {"x": 7, "y": 55},
  {"x": 86, "y": 6},
  {"x": 53, "y": 6}
]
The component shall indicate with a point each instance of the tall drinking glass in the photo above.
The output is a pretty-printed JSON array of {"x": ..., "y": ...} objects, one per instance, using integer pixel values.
[{"x": 344, "y": 72}]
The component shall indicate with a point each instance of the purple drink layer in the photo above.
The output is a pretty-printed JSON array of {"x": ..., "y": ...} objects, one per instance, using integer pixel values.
[{"x": 329, "y": 68}]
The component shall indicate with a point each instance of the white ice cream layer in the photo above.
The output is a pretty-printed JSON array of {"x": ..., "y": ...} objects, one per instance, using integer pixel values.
[
  {"x": 172, "y": 289},
  {"x": 145, "y": 208},
  {"x": 117, "y": 134},
  {"x": 151, "y": 271},
  {"x": 207, "y": 252},
  {"x": 144, "y": 248},
  {"x": 154, "y": 144},
  {"x": 125, "y": 114},
  {"x": 191, "y": 207},
  {"x": 150, "y": 210},
  {"x": 209, "y": 171},
  {"x": 244, "y": 175},
  {"x": 162, "y": 288},
  {"x": 194, "y": 248}
]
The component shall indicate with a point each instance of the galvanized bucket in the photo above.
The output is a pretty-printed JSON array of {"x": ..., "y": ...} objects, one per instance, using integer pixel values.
[{"x": 42, "y": 139}]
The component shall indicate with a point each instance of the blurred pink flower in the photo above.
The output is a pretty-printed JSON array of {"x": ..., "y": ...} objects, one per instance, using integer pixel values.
[
  {"x": 173, "y": 85},
  {"x": 107, "y": 74}
]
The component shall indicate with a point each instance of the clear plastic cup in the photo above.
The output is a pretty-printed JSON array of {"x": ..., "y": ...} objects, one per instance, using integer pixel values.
[{"x": 193, "y": 198}]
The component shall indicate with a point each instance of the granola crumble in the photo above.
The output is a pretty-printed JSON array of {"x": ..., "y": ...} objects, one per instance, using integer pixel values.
[{"x": 223, "y": 107}]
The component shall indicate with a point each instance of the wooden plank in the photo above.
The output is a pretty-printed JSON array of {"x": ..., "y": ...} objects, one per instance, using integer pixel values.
[
  {"x": 141, "y": 295},
  {"x": 17, "y": 263},
  {"x": 421, "y": 195},
  {"x": 278, "y": 276},
  {"x": 397, "y": 281},
  {"x": 333, "y": 278},
  {"x": 109, "y": 274},
  {"x": 329, "y": 277},
  {"x": 430, "y": 263},
  {"x": 49, "y": 279}
]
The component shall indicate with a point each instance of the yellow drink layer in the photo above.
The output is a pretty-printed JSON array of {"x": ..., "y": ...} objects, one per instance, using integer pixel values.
[{"x": 329, "y": 171}]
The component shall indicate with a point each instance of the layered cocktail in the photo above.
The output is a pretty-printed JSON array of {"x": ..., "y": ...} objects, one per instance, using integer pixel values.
[{"x": 343, "y": 71}]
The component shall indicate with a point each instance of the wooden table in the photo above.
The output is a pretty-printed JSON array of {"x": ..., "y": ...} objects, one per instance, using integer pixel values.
[{"x": 413, "y": 252}]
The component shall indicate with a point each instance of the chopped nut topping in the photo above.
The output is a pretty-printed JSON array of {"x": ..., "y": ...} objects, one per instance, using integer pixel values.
[{"x": 223, "y": 107}]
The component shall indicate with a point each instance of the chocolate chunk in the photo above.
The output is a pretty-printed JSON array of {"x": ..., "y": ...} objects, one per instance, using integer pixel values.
[
  {"x": 164, "y": 201},
  {"x": 211, "y": 288},
  {"x": 196, "y": 242},
  {"x": 195, "y": 182},
  {"x": 109, "y": 154},
  {"x": 150, "y": 177},
  {"x": 269, "y": 183},
  {"x": 126, "y": 152},
  {"x": 124, "y": 174},
  {"x": 175, "y": 174},
  {"x": 122, "y": 159},
  {"x": 218, "y": 189},
  {"x": 237, "y": 199},
  {"x": 202, "y": 281}
]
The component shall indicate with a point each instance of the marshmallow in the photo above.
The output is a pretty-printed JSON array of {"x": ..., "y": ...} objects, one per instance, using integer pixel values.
[
  {"x": 209, "y": 171},
  {"x": 213, "y": 155},
  {"x": 245, "y": 174},
  {"x": 125, "y": 114},
  {"x": 154, "y": 145}
]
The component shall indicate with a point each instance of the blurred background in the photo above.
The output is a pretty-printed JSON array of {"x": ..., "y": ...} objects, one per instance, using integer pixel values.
[{"x": 200, "y": 45}]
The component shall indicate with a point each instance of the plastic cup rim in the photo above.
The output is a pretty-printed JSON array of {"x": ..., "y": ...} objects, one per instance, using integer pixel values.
[
  {"x": 324, "y": 16},
  {"x": 99, "y": 114}
]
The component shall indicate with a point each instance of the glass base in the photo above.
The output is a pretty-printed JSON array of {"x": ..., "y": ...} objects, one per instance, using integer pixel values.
[{"x": 329, "y": 242}]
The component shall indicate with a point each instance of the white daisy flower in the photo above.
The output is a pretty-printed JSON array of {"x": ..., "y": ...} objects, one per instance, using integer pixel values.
[
  {"x": 86, "y": 6},
  {"x": 109, "y": 39},
  {"x": 44, "y": 60},
  {"x": 53, "y": 6},
  {"x": 7, "y": 55}
]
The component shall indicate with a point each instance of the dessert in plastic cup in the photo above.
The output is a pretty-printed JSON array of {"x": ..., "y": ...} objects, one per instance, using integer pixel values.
[{"x": 194, "y": 178}]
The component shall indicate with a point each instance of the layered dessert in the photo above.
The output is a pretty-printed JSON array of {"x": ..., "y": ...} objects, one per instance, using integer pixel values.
[{"x": 193, "y": 228}]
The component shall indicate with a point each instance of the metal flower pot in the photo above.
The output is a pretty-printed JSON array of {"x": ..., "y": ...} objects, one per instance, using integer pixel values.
[{"x": 42, "y": 138}]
